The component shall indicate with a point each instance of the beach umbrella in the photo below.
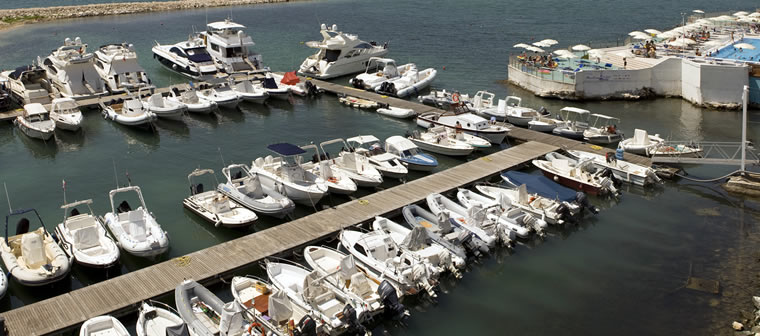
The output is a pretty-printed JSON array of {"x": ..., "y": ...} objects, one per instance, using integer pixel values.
[
  {"x": 698, "y": 11},
  {"x": 580, "y": 47},
  {"x": 596, "y": 53},
  {"x": 686, "y": 41},
  {"x": 667, "y": 34},
  {"x": 636, "y": 32},
  {"x": 744, "y": 46},
  {"x": 705, "y": 21},
  {"x": 741, "y": 13},
  {"x": 725, "y": 18},
  {"x": 521, "y": 45},
  {"x": 564, "y": 53},
  {"x": 641, "y": 37},
  {"x": 541, "y": 44},
  {"x": 653, "y": 31},
  {"x": 747, "y": 19},
  {"x": 754, "y": 15},
  {"x": 536, "y": 49},
  {"x": 713, "y": 43},
  {"x": 550, "y": 42},
  {"x": 678, "y": 43}
]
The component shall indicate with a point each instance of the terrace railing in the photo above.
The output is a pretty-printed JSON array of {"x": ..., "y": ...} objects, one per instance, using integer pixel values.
[{"x": 537, "y": 70}]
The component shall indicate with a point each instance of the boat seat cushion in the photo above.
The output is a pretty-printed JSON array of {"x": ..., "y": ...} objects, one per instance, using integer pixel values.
[
  {"x": 137, "y": 226},
  {"x": 360, "y": 285},
  {"x": 86, "y": 238},
  {"x": 33, "y": 250},
  {"x": 79, "y": 221}
]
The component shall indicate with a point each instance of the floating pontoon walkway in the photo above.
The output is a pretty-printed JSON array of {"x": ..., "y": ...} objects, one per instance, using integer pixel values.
[{"x": 122, "y": 294}]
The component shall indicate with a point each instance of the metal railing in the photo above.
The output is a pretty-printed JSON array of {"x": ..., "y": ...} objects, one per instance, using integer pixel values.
[
  {"x": 720, "y": 153},
  {"x": 540, "y": 71}
]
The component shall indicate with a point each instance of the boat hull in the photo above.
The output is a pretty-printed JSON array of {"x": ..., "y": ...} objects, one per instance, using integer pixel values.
[
  {"x": 519, "y": 121},
  {"x": 573, "y": 184},
  {"x": 442, "y": 149},
  {"x": 35, "y": 133},
  {"x": 542, "y": 127}
]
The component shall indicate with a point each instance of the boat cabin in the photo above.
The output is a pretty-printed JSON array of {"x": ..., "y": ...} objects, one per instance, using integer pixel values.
[{"x": 36, "y": 112}]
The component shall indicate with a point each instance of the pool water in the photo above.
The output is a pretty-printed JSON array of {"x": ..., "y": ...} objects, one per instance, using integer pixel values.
[{"x": 729, "y": 52}]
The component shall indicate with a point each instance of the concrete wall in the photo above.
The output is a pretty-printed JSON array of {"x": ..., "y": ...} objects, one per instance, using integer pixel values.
[
  {"x": 690, "y": 83},
  {"x": 539, "y": 86},
  {"x": 664, "y": 79}
]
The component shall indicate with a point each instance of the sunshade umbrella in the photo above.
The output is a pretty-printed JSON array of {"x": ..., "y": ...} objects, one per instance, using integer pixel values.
[
  {"x": 741, "y": 13},
  {"x": 640, "y": 37},
  {"x": 636, "y": 32},
  {"x": 725, "y": 18},
  {"x": 667, "y": 34},
  {"x": 686, "y": 41},
  {"x": 549, "y": 41},
  {"x": 754, "y": 15},
  {"x": 678, "y": 43},
  {"x": 747, "y": 19},
  {"x": 653, "y": 31},
  {"x": 541, "y": 44},
  {"x": 563, "y": 51},
  {"x": 521, "y": 45},
  {"x": 596, "y": 53},
  {"x": 713, "y": 43},
  {"x": 580, "y": 47},
  {"x": 536, "y": 49},
  {"x": 705, "y": 21},
  {"x": 744, "y": 46},
  {"x": 698, "y": 11}
]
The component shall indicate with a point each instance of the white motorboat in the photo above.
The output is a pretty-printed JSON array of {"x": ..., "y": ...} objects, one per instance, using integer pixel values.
[
  {"x": 33, "y": 258},
  {"x": 35, "y": 122},
  {"x": 411, "y": 82},
  {"x": 409, "y": 154},
  {"x": 251, "y": 93},
  {"x": 246, "y": 190},
  {"x": 71, "y": 70},
  {"x": 136, "y": 230},
  {"x": 66, "y": 114},
  {"x": 396, "y": 112},
  {"x": 603, "y": 131},
  {"x": 221, "y": 94},
  {"x": 309, "y": 290},
  {"x": 285, "y": 175},
  {"x": 642, "y": 143},
  {"x": 441, "y": 231},
  {"x": 378, "y": 71},
  {"x": 273, "y": 309},
  {"x": 443, "y": 99},
  {"x": 544, "y": 124},
  {"x": 418, "y": 241},
  {"x": 480, "y": 102},
  {"x": 467, "y": 122},
  {"x": 228, "y": 44},
  {"x": 475, "y": 141},
  {"x": 103, "y": 325},
  {"x": 131, "y": 113},
  {"x": 381, "y": 257},
  {"x": 291, "y": 82},
  {"x": 574, "y": 123},
  {"x": 547, "y": 210},
  {"x": 582, "y": 176},
  {"x": 214, "y": 206},
  {"x": 389, "y": 165},
  {"x": 502, "y": 210},
  {"x": 278, "y": 91},
  {"x": 117, "y": 66},
  {"x": 623, "y": 170},
  {"x": 188, "y": 58},
  {"x": 436, "y": 140},
  {"x": 338, "y": 181},
  {"x": 206, "y": 314},
  {"x": 339, "y": 54},
  {"x": 516, "y": 113},
  {"x": 473, "y": 220},
  {"x": 3, "y": 284},
  {"x": 84, "y": 237},
  {"x": 340, "y": 270},
  {"x": 356, "y": 165},
  {"x": 358, "y": 102},
  {"x": 158, "y": 319},
  {"x": 192, "y": 101},
  {"x": 28, "y": 84},
  {"x": 538, "y": 186},
  {"x": 163, "y": 107},
  {"x": 672, "y": 149}
]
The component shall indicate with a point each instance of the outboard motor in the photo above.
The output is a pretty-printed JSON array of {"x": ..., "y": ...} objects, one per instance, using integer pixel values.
[
  {"x": 74, "y": 212},
  {"x": 22, "y": 226},
  {"x": 357, "y": 83},
  {"x": 306, "y": 327},
  {"x": 544, "y": 112},
  {"x": 196, "y": 189},
  {"x": 391, "y": 306},
  {"x": 474, "y": 246},
  {"x": 608, "y": 173},
  {"x": 349, "y": 318},
  {"x": 123, "y": 207},
  {"x": 581, "y": 198}
]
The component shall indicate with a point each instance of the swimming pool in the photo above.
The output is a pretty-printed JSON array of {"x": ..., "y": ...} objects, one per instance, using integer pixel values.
[{"x": 729, "y": 52}]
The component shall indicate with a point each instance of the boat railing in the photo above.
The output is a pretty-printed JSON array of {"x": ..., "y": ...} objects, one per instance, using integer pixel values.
[{"x": 517, "y": 63}]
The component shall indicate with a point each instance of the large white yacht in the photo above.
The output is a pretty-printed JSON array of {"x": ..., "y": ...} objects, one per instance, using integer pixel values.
[
  {"x": 71, "y": 69},
  {"x": 117, "y": 66},
  {"x": 228, "y": 45},
  {"x": 339, "y": 54},
  {"x": 27, "y": 85},
  {"x": 188, "y": 58}
]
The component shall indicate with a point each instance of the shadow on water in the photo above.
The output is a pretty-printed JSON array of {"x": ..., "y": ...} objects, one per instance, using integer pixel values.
[
  {"x": 40, "y": 149},
  {"x": 69, "y": 141},
  {"x": 146, "y": 136},
  {"x": 177, "y": 128},
  {"x": 203, "y": 120},
  {"x": 231, "y": 114},
  {"x": 87, "y": 275}
]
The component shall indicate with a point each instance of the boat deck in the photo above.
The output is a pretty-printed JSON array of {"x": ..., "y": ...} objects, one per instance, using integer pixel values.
[{"x": 122, "y": 294}]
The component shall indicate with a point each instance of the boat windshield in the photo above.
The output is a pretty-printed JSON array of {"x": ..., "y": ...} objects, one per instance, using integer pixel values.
[{"x": 198, "y": 54}]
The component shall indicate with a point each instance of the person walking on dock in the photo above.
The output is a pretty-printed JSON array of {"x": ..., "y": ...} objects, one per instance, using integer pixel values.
[{"x": 625, "y": 62}]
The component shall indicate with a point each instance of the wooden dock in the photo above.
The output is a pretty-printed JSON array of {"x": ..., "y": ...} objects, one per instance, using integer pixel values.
[{"x": 122, "y": 294}]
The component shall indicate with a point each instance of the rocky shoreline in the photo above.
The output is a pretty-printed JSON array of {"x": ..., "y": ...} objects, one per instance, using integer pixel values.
[{"x": 14, "y": 17}]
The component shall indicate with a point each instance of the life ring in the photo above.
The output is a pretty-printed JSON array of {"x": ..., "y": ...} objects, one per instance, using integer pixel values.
[
  {"x": 332, "y": 179},
  {"x": 455, "y": 97},
  {"x": 256, "y": 324}
]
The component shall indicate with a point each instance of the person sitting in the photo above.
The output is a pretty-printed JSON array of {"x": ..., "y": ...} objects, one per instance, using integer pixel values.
[{"x": 458, "y": 127}]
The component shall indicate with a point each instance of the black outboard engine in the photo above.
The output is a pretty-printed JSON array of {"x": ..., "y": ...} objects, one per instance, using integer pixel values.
[
  {"x": 22, "y": 226},
  {"x": 311, "y": 89},
  {"x": 564, "y": 212},
  {"x": 349, "y": 318},
  {"x": 123, "y": 207},
  {"x": 306, "y": 327},
  {"x": 74, "y": 212},
  {"x": 357, "y": 83},
  {"x": 582, "y": 200},
  {"x": 474, "y": 246},
  {"x": 608, "y": 173},
  {"x": 391, "y": 307},
  {"x": 544, "y": 111},
  {"x": 196, "y": 189}
]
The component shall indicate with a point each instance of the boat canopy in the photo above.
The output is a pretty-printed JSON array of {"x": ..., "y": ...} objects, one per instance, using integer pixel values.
[
  {"x": 575, "y": 110},
  {"x": 363, "y": 139},
  {"x": 602, "y": 116},
  {"x": 226, "y": 24},
  {"x": 290, "y": 78},
  {"x": 400, "y": 143},
  {"x": 286, "y": 149},
  {"x": 34, "y": 108},
  {"x": 16, "y": 74},
  {"x": 538, "y": 184}
]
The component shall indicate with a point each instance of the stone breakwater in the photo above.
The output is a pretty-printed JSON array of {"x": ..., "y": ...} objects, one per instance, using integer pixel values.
[{"x": 12, "y": 17}]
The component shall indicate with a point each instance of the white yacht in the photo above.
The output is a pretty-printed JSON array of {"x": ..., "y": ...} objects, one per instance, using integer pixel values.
[
  {"x": 339, "y": 54},
  {"x": 35, "y": 122},
  {"x": 285, "y": 175},
  {"x": 411, "y": 82},
  {"x": 214, "y": 206},
  {"x": 117, "y": 66},
  {"x": 66, "y": 114},
  {"x": 188, "y": 58},
  {"x": 71, "y": 69},
  {"x": 355, "y": 165},
  {"x": 378, "y": 71},
  {"x": 467, "y": 122},
  {"x": 28, "y": 84},
  {"x": 228, "y": 44},
  {"x": 388, "y": 164},
  {"x": 84, "y": 237}
]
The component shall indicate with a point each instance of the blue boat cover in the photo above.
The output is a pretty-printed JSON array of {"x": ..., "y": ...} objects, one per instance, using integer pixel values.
[
  {"x": 539, "y": 184},
  {"x": 286, "y": 149}
]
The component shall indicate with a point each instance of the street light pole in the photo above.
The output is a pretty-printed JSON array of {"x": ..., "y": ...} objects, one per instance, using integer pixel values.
[{"x": 745, "y": 97}]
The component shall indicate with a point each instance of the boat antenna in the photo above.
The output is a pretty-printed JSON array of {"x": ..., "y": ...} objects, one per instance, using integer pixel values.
[
  {"x": 129, "y": 180},
  {"x": 115, "y": 176},
  {"x": 10, "y": 209},
  {"x": 63, "y": 182},
  {"x": 220, "y": 155}
]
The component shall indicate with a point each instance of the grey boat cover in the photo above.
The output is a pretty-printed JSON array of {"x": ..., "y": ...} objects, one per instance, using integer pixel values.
[
  {"x": 280, "y": 308},
  {"x": 347, "y": 267},
  {"x": 312, "y": 286},
  {"x": 178, "y": 330},
  {"x": 417, "y": 239}
]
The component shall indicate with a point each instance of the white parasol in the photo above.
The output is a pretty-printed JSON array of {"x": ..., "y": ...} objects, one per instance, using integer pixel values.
[{"x": 581, "y": 47}]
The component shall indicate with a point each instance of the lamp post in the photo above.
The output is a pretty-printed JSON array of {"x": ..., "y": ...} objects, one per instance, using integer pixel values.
[{"x": 683, "y": 24}]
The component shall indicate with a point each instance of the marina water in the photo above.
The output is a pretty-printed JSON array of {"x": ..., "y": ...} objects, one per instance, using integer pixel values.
[{"x": 620, "y": 272}]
